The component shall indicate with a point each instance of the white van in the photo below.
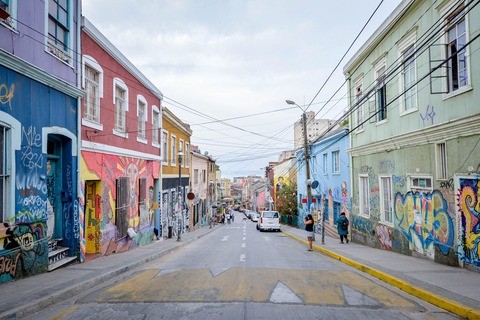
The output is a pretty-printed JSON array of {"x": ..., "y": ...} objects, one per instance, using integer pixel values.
[{"x": 269, "y": 220}]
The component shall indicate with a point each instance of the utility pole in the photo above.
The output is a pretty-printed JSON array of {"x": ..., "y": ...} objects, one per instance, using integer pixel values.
[{"x": 307, "y": 167}]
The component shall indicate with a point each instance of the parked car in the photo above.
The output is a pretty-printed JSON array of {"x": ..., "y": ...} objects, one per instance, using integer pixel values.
[
  {"x": 247, "y": 213},
  {"x": 269, "y": 220},
  {"x": 254, "y": 216}
]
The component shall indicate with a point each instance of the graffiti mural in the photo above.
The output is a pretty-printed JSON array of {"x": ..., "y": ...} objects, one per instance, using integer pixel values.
[
  {"x": 384, "y": 233},
  {"x": 469, "y": 204},
  {"x": 24, "y": 251},
  {"x": 6, "y": 95},
  {"x": 424, "y": 220},
  {"x": 107, "y": 169}
]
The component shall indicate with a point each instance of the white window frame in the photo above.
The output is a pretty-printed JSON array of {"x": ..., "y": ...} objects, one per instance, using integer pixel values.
[
  {"x": 403, "y": 45},
  {"x": 195, "y": 177},
  {"x": 173, "y": 149},
  {"x": 325, "y": 164},
  {"x": 383, "y": 184},
  {"x": 360, "y": 112},
  {"x": 11, "y": 22},
  {"x": 443, "y": 9},
  {"x": 88, "y": 61},
  {"x": 164, "y": 147},
  {"x": 142, "y": 122},
  {"x": 182, "y": 150},
  {"x": 187, "y": 155},
  {"x": 314, "y": 164},
  {"x": 441, "y": 167},
  {"x": 379, "y": 64},
  {"x": 117, "y": 82},
  {"x": 336, "y": 161},
  {"x": 362, "y": 197},
  {"x": 155, "y": 128},
  {"x": 422, "y": 189}
]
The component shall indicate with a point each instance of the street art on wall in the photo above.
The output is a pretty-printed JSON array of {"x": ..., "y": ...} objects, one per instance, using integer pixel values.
[
  {"x": 423, "y": 219},
  {"x": 23, "y": 251},
  {"x": 106, "y": 169},
  {"x": 469, "y": 204}
]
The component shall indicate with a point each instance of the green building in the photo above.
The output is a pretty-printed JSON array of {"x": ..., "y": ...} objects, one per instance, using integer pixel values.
[{"x": 415, "y": 133}]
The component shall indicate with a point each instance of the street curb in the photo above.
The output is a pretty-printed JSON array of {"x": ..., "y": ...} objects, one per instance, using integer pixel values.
[
  {"x": 439, "y": 301},
  {"x": 64, "y": 294}
]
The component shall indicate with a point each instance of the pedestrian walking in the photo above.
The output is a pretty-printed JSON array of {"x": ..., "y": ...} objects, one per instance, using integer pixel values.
[
  {"x": 308, "y": 221},
  {"x": 342, "y": 227},
  {"x": 228, "y": 217},
  {"x": 233, "y": 217}
]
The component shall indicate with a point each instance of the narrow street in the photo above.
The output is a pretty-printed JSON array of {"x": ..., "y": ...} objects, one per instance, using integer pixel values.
[{"x": 238, "y": 272}]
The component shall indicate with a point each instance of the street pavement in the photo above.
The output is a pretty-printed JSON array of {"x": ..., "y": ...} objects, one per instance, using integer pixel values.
[{"x": 454, "y": 289}]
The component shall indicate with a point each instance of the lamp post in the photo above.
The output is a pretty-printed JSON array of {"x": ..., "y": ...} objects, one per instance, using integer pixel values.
[
  {"x": 180, "y": 155},
  {"x": 307, "y": 157}
]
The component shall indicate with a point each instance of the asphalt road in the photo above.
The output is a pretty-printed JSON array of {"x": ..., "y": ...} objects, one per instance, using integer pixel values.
[{"x": 238, "y": 272}]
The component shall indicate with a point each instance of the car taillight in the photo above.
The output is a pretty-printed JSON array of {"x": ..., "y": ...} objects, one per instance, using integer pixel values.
[
  {"x": 279, "y": 221},
  {"x": 261, "y": 220}
]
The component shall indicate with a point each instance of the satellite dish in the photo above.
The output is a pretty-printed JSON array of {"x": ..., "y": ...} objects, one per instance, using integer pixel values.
[
  {"x": 315, "y": 184},
  {"x": 206, "y": 153}
]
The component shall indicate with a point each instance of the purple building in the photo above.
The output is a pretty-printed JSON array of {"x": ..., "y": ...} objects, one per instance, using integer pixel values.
[{"x": 39, "y": 123}]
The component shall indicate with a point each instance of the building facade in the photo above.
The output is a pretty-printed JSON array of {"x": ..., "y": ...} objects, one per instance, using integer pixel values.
[
  {"x": 121, "y": 156},
  {"x": 199, "y": 185},
  {"x": 175, "y": 213},
  {"x": 39, "y": 143},
  {"x": 415, "y": 126}
]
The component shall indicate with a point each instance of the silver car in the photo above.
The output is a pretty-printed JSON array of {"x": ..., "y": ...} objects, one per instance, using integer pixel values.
[{"x": 254, "y": 216}]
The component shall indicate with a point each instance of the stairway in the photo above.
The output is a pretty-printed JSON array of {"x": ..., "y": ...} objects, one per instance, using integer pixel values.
[{"x": 57, "y": 256}]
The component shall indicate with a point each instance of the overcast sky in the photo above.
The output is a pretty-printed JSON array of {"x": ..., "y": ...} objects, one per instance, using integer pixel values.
[{"x": 238, "y": 61}]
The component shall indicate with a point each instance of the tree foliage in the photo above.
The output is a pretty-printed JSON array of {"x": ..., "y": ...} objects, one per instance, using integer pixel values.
[{"x": 287, "y": 200}]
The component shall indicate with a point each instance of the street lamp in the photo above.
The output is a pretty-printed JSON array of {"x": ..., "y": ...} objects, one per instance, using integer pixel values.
[
  {"x": 180, "y": 155},
  {"x": 307, "y": 157}
]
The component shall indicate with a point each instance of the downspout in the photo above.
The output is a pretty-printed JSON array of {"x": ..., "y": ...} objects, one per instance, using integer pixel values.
[{"x": 80, "y": 195}]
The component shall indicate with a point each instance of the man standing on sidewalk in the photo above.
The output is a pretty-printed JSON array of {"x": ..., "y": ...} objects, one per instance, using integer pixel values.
[{"x": 342, "y": 227}]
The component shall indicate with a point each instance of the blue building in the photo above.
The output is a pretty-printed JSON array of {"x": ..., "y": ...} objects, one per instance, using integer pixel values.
[
  {"x": 330, "y": 176},
  {"x": 39, "y": 148}
]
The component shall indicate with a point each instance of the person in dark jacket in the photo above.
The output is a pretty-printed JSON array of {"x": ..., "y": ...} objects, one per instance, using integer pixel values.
[
  {"x": 308, "y": 221},
  {"x": 342, "y": 227}
]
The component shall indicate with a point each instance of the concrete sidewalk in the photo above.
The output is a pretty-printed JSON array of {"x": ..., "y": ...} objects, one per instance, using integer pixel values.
[
  {"x": 26, "y": 296},
  {"x": 454, "y": 289}
]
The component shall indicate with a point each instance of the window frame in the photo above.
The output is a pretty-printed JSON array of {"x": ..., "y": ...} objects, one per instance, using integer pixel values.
[
  {"x": 422, "y": 189},
  {"x": 359, "y": 102},
  {"x": 336, "y": 161},
  {"x": 142, "y": 118},
  {"x": 380, "y": 96},
  {"x": 383, "y": 200},
  {"x": 362, "y": 197},
  {"x": 88, "y": 61},
  {"x": 195, "y": 177},
  {"x": 11, "y": 22},
  {"x": 117, "y": 82},
  {"x": 325, "y": 164},
  {"x": 441, "y": 167},
  {"x": 5, "y": 179},
  {"x": 155, "y": 127},
  {"x": 173, "y": 150},
  {"x": 164, "y": 147},
  {"x": 408, "y": 41},
  {"x": 181, "y": 149},
  {"x": 66, "y": 27},
  {"x": 187, "y": 155}
]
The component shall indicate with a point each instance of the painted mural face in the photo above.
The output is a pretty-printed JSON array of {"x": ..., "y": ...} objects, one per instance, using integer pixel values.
[{"x": 469, "y": 204}]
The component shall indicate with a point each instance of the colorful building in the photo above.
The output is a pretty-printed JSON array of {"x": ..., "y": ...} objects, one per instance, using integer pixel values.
[
  {"x": 415, "y": 126},
  {"x": 39, "y": 146},
  {"x": 121, "y": 153}
]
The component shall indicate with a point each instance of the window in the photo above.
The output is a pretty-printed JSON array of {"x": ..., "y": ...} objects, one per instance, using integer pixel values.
[
  {"x": 9, "y": 6},
  {"x": 174, "y": 151},
  {"x": 325, "y": 210},
  {"x": 336, "y": 211},
  {"x": 386, "y": 197},
  {"x": 180, "y": 149},
  {"x": 122, "y": 206},
  {"x": 364, "y": 194},
  {"x": 409, "y": 88},
  {"x": 336, "y": 161},
  {"x": 381, "y": 99},
  {"x": 142, "y": 198},
  {"x": 141, "y": 111},
  {"x": 165, "y": 147},
  {"x": 187, "y": 154},
  {"x": 457, "y": 66},
  {"x": 3, "y": 173},
  {"x": 359, "y": 102},
  {"x": 58, "y": 23},
  {"x": 314, "y": 164},
  {"x": 441, "y": 161},
  {"x": 120, "y": 102},
  {"x": 195, "y": 176},
  {"x": 92, "y": 97},
  {"x": 420, "y": 184},
  {"x": 204, "y": 176},
  {"x": 325, "y": 168},
  {"x": 155, "y": 126}
]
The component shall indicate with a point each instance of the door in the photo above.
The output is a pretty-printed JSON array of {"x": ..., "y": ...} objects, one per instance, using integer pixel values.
[
  {"x": 469, "y": 209},
  {"x": 54, "y": 177},
  {"x": 93, "y": 233}
]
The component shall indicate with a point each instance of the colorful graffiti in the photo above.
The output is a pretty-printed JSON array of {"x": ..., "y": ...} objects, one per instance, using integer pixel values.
[
  {"x": 469, "y": 204},
  {"x": 424, "y": 220},
  {"x": 6, "y": 95},
  {"x": 345, "y": 199},
  {"x": 25, "y": 251},
  {"x": 384, "y": 233}
]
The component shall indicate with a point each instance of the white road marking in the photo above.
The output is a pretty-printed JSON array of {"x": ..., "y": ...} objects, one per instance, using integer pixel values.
[
  {"x": 283, "y": 294},
  {"x": 244, "y": 238},
  {"x": 355, "y": 298},
  {"x": 225, "y": 238},
  {"x": 242, "y": 257},
  {"x": 267, "y": 238},
  {"x": 243, "y": 245}
]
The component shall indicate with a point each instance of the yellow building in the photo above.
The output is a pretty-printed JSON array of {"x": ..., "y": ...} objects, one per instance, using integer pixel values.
[{"x": 176, "y": 135}]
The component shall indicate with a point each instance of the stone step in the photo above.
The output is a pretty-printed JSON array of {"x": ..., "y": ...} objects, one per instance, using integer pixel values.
[
  {"x": 53, "y": 244},
  {"x": 60, "y": 263},
  {"x": 58, "y": 254}
]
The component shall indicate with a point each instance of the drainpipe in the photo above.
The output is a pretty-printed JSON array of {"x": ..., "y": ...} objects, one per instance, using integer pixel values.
[{"x": 79, "y": 116}]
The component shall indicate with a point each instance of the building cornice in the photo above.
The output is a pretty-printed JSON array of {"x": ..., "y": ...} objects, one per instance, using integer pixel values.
[
  {"x": 23, "y": 67},
  {"x": 462, "y": 127},
  {"x": 103, "y": 148},
  {"x": 106, "y": 45},
  {"x": 168, "y": 115}
]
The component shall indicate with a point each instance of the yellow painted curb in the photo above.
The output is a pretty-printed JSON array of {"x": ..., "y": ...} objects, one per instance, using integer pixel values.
[{"x": 439, "y": 301}]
